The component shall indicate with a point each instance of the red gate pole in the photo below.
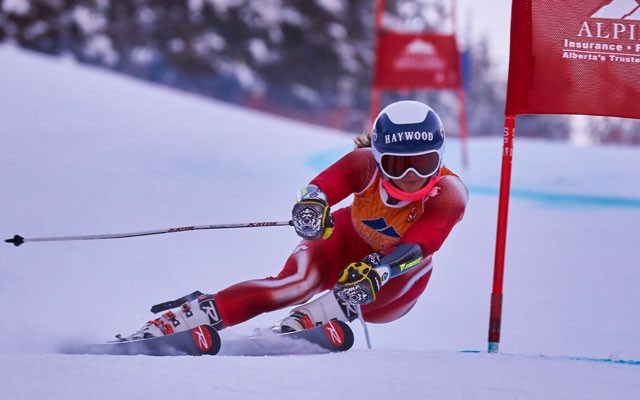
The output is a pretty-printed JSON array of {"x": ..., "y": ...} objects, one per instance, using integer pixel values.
[{"x": 495, "y": 317}]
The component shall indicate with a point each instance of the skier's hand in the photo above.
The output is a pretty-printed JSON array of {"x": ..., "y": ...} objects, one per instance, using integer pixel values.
[
  {"x": 359, "y": 283},
  {"x": 311, "y": 215}
]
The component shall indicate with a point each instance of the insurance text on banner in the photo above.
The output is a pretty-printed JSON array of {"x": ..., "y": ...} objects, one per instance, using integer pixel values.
[{"x": 575, "y": 57}]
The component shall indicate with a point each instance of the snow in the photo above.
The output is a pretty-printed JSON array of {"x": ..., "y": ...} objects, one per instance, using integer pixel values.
[{"x": 87, "y": 152}]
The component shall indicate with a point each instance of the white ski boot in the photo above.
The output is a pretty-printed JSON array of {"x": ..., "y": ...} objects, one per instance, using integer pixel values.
[
  {"x": 201, "y": 311},
  {"x": 317, "y": 312}
]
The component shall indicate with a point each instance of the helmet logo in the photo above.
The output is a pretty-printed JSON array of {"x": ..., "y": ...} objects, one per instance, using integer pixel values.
[{"x": 408, "y": 136}]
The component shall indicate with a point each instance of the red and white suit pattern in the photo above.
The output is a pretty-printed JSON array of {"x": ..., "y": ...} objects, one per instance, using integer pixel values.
[{"x": 370, "y": 224}]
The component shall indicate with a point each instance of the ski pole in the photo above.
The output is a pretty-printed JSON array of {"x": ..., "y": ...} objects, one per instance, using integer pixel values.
[{"x": 17, "y": 240}]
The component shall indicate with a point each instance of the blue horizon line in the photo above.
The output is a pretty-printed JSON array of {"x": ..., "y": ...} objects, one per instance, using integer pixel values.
[
  {"x": 561, "y": 199},
  {"x": 323, "y": 159},
  {"x": 562, "y": 358}
]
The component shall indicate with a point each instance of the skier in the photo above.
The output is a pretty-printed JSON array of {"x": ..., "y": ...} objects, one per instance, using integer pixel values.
[{"x": 372, "y": 257}]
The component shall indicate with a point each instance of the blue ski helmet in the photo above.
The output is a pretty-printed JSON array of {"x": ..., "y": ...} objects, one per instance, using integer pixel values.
[{"x": 405, "y": 129}]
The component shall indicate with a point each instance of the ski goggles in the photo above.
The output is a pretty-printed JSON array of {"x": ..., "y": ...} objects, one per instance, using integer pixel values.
[{"x": 396, "y": 166}]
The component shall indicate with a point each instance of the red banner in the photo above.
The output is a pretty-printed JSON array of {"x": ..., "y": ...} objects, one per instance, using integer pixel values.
[
  {"x": 575, "y": 57},
  {"x": 417, "y": 61}
]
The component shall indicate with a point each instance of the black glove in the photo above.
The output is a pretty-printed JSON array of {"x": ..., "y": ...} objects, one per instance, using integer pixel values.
[
  {"x": 359, "y": 282},
  {"x": 311, "y": 215}
]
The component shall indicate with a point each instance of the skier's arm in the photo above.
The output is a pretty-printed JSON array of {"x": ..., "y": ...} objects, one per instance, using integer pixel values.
[
  {"x": 311, "y": 214},
  {"x": 441, "y": 213},
  {"x": 351, "y": 174},
  {"x": 400, "y": 260},
  {"x": 361, "y": 281}
]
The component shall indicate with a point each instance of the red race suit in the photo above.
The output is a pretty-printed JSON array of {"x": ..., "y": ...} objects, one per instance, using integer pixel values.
[{"x": 372, "y": 223}]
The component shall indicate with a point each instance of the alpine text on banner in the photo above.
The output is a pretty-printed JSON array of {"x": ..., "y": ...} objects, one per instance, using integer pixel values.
[{"x": 575, "y": 57}]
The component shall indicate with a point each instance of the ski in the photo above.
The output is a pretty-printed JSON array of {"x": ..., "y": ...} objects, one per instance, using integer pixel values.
[
  {"x": 198, "y": 341},
  {"x": 334, "y": 336}
]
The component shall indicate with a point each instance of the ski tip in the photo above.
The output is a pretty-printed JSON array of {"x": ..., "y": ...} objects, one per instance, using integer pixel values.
[
  {"x": 339, "y": 334},
  {"x": 17, "y": 240},
  {"x": 206, "y": 339}
]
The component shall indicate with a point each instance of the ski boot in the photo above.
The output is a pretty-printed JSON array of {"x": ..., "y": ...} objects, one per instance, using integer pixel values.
[
  {"x": 317, "y": 312},
  {"x": 191, "y": 314}
]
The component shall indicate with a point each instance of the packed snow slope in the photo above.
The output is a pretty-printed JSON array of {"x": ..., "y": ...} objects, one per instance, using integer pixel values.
[{"x": 85, "y": 152}]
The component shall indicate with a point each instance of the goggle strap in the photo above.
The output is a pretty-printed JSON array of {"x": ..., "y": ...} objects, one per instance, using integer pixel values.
[{"x": 420, "y": 194}]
